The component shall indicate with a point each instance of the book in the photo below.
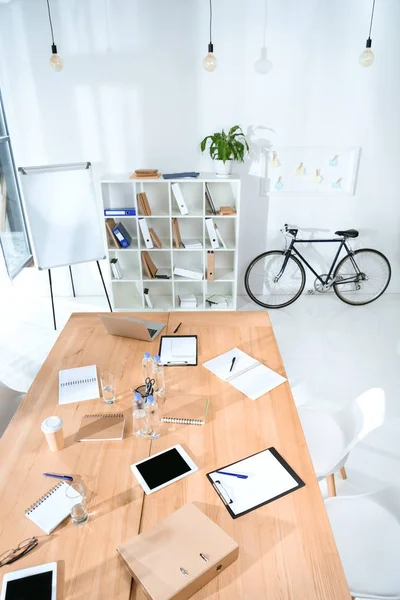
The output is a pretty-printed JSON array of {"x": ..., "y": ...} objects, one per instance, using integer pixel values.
[
  {"x": 187, "y": 301},
  {"x": 147, "y": 298},
  {"x": 119, "y": 212},
  {"x": 201, "y": 420},
  {"x": 180, "y": 200},
  {"x": 210, "y": 202},
  {"x": 101, "y": 427},
  {"x": 111, "y": 239},
  {"x": 78, "y": 384},
  {"x": 150, "y": 266},
  {"x": 154, "y": 238},
  {"x": 163, "y": 273},
  {"x": 144, "y": 205},
  {"x": 192, "y": 245},
  {"x": 145, "y": 174},
  {"x": 185, "y": 175},
  {"x": 188, "y": 273},
  {"x": 51, "y": 509},
  {"x": 226, "y": 210},
  {"x": 122, "y": 235},
  {"x": 115, "y": 268},
  {"x": 219, "y": 236},
  {"x": 217, "y": 301},
  {"x": 176, "y": 234}
]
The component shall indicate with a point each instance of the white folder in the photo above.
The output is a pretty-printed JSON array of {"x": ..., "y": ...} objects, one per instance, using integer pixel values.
[
  {"x": 145, "y": 233},
  {"x": 180, "y": 200},
  {"x": 212, "y": 233},
  {"x": 219, "y": 237},
  {"x": 249, "y": 376}
]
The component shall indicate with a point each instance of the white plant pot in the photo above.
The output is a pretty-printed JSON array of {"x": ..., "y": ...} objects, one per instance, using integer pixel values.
[{"x": 223, "y": 169}]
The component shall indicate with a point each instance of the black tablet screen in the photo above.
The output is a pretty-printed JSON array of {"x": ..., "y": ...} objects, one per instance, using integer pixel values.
[
  {"x": 34, "y": 587},
  {"x": 163, "y": 468}
]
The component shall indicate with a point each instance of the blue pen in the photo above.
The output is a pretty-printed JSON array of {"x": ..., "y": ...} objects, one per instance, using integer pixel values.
[
  {"x": 64, "y": 477},
  {"x": 233, "y": 474}
]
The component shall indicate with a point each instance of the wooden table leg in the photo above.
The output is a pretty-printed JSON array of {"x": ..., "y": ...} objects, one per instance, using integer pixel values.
[
  {"x": 343, "y": 473},
  {"x": 330, "y": 480}
]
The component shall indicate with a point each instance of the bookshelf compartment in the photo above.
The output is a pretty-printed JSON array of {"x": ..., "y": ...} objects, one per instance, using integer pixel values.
[
  {"x": 160, "y": 293},
  {"x": 118, "y": 195},
  {"x": 223, "y": 193},
  {"x": 186, "y": 288},
  {"x": 127, "y": 296},
  {"x": 227, "y": 229},
  {"x": 162, "y": 260},
  {"x": 191, "y": 230},
  {"x": 161, "y": 228},
  {"x": 158, "y": 197},
  {"x": 193, "y": 195},
  {"x": 129, "y": 265},
  {"x": 224, "y": 266},
  {"x": 221, "y": 288},
  {"x": 190, "y": 259}
]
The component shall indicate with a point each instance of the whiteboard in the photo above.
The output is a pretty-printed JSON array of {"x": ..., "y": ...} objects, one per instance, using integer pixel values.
[{"x": 63, "y": 219}]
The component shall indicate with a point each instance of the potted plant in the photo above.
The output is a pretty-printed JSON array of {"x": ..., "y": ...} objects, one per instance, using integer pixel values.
[{"x": 224, "y": 148}]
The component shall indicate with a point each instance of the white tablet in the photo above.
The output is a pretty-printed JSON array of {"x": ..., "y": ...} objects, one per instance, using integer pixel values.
[
  {"x": 35, "y": 582},
  {"x": 163, "y": 468}
]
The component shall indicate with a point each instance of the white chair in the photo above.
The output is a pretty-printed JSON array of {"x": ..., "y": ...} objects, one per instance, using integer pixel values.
[
  {"x": 9, "y": 402},
  {"x": 331, "y": 436},
  {"x": 367, "y": 534}
]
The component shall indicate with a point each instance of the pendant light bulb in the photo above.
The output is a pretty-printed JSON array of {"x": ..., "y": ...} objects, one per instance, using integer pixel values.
[
  {"x": 367, "y": 57},
  {"x": 263, "y": 65},
  {"x": 210, "y": 62},
  {"x": 56, "y": 62}
]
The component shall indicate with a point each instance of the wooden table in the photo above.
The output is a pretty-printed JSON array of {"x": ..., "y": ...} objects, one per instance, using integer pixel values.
[{"x": 287, "y": 550}]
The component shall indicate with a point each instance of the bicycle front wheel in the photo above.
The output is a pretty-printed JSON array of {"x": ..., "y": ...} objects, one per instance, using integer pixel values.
[
  {"x": 362, "y": 277},
  {"x": 272, "y": 284}
]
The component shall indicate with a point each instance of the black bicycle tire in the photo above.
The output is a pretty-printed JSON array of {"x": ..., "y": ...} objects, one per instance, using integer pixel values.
[
  {"x": 256, "y": 259},
  {"x": 346, "y": 258}
]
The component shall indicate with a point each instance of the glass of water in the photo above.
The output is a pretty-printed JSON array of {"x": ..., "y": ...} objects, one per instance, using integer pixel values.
[
  {"x": 107, "y": 386},
  {"x": 78, "y": 511}
]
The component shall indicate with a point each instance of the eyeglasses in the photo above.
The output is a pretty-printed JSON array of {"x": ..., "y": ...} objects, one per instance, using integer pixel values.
[{"x": 10, "y": 556}]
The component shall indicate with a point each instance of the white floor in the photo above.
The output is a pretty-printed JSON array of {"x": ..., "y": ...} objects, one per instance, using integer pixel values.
[{"x": 333, "y": 353}]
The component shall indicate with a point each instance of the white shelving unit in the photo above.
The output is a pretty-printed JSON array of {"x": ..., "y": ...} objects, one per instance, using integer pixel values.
[{"x": 118, "y": 191}]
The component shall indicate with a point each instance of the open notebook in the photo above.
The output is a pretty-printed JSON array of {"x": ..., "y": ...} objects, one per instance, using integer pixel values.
[
  {"x": 51, "y": 509},
  {"x": 78, "y": 384},
  {"x": 248, "y": 375}
]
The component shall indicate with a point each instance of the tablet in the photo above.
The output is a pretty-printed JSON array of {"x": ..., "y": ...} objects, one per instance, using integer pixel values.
[
  {"x": 163, "y": 468},
  {"x": 28, "y": 584}
]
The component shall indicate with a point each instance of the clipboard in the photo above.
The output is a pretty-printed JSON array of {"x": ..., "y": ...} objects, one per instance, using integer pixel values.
[
  {"x": 265, "y": 477},
  {"x": 178, "y": 350}
]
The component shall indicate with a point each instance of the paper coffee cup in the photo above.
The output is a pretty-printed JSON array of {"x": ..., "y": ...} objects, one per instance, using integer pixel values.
[{"x": 52, "y": 428}]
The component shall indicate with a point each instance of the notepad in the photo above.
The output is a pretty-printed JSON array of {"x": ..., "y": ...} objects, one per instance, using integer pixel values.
[
  {"x": 248, "y": 375},
  {"x": 52, "y": 509},
  {"x": 101, "y": 427},
  {"x": 178, "y": 350},
  {"x": 76, "y": 385},
  {"x": 269, "y": 477}
]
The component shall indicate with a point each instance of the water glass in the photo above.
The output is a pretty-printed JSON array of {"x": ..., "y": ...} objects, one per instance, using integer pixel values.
[
  {"x": 78, "y": 511},
  {"x": 107, "y": 386}
]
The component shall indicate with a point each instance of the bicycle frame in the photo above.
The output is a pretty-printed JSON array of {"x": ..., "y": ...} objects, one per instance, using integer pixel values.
[{"x": 343, "y": 244}]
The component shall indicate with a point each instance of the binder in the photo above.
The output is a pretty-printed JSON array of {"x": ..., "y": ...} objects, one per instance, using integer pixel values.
[
  {"x": 122, "y": 235},
  {"x": 119, "y": 212},
  {"x": 115, "y": 268},
  {"x": 188, "y": 273},
  {"x": 146, "y": 270},
  {"x": 219, "y": 237},
  {"x": 176, "y": 188},
  {"x": 210, "y": 265},
  {"x": 154, "y": 238},
  {"x": 149, "y": 263},
  {"x": 212, "y": 233},
  {"x": 112, "y": 240},
  {"x": 144, "y": 205},
  {"x": 147, "y": 298},
  {"x": 176, "y": 234},
  {"x": 145, "y": 233}
]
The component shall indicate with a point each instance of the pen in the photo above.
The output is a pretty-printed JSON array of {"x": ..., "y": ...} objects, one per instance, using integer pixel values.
[
  {"x": 177, "y": 327},
  {"x": 65, "y": 477},
  {"x": 233, "y": 474},
  {"x": 233, "y": 362}
]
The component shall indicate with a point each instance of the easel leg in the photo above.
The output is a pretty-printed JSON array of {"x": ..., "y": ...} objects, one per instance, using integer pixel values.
[
  {"x": 104, "y": 286},
  {"x": 52, "y": 301},
  {"x": 72, "y": 281}
]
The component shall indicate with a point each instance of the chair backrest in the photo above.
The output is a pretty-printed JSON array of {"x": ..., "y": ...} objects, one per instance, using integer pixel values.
[{"x": 9, "y": 402}]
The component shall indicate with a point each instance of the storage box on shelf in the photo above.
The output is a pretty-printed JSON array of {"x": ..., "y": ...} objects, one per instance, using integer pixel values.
[{"x": 164, "y": 201}]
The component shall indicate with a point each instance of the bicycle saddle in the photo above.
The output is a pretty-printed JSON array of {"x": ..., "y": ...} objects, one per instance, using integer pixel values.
[{"x": 350, "y": 233}]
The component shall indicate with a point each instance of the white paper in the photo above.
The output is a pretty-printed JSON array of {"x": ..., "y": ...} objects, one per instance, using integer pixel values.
[
  {"x": 178, "y": 350},
  {"x": 76, "y": 385},
  {"x": 267, "y": 479},
  {"x": 54, "y": 509},
  {"x": 249, "y": 376}
]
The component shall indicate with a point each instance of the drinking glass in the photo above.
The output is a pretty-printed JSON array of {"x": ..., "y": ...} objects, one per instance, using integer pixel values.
[
  {"x": 107, "y": 386},
  {"x": 78, "y": 511}
]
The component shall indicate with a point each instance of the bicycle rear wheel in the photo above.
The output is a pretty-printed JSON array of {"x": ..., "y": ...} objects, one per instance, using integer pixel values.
[
  {"x": 261, "y": 281},
  {"x": 362, "y": 277}
]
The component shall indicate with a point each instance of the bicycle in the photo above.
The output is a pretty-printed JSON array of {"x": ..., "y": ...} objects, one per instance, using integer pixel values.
[{"x": 277, "y": 278}]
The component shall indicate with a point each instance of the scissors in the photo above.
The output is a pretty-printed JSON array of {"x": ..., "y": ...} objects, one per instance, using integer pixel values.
[{"x": 149, "y": 383}]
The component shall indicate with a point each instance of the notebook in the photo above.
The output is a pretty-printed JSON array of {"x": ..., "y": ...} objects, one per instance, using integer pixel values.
[
  {"x": 101, "y": 427},
  {"x": 188, "y": 420},
  {"x": 51, "y": 509},
  {"x": 248, "y": 375},
  {"x": 265, "y": 477},
  {"x": 76, "y": 385},
  {"x": 178, "y": 350}
]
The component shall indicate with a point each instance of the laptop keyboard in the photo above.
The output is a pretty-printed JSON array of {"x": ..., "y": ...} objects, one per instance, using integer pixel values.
[{"x": 152, "y": 332}]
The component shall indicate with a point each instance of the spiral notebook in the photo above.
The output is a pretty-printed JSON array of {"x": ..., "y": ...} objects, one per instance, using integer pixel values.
[
  {"x": 52, "y": 509},
  {"x": 76, "y": 385},
  {"x": 101, "y": 427}
]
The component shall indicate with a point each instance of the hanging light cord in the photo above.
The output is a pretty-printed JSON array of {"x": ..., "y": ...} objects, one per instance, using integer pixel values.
[
  {"x": 51, "y": 24},
  {"x": 372, "y": 18},
  {"x": 211, "y": 19}
]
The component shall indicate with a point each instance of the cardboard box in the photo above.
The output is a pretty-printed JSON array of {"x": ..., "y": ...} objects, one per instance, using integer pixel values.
[{"x": 179, "y": 555}]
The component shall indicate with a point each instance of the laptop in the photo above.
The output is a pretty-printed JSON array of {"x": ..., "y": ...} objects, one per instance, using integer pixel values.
[{"x": 132, "y": 328}]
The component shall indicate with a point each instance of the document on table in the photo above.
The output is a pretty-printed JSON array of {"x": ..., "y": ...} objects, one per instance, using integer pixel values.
[
  {"x": 248, "y": 375},
  {"x": 178, "y": 350},
  {"x": 267, "y": 477},
  {"x": 76, "y": 385}
]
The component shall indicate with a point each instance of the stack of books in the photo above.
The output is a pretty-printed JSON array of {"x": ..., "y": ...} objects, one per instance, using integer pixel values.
[
  {"x": 192, "y": 245},
  {"x": 217, "y": 301},
  {"x": 188, "y": 301}
]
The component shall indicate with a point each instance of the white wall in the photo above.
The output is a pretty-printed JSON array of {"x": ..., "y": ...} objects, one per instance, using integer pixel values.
[{"x": 140, "y": 97}]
